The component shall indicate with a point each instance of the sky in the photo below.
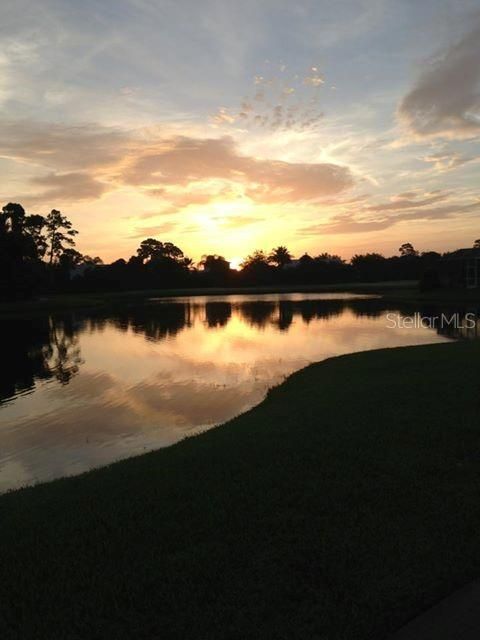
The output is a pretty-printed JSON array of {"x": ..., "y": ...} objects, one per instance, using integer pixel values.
[{"x": 226, "y": 126}]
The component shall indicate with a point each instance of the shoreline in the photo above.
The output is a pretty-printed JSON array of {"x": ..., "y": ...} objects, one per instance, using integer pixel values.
[
  {"x": 341, "y": 515},
  {"x": 398, "y": 292},
  {"x": 65, "y": 302}
]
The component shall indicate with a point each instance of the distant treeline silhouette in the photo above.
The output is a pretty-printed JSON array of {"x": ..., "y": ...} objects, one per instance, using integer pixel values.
[{"x": 37, "y": 255}]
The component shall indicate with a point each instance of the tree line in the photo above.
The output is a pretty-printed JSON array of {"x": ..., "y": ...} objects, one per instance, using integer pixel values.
[{"x": 37, "y": 254}]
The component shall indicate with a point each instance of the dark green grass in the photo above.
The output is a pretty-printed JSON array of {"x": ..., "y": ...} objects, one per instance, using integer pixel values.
[{"x": 343, "y": 505}]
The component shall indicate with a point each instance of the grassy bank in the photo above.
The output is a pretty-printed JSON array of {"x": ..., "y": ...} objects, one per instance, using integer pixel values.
[
  {"x": 343, "y": 505},
  {"x": 85, "y": 301},
  {"x": 441, "y": 297}
]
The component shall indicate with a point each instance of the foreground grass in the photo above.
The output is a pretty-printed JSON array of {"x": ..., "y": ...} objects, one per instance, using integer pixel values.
[{"x": 343, "y": 505}]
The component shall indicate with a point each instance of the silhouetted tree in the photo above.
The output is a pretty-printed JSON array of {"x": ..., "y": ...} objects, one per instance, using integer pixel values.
[
  {"x": 254, "y": 259},
  {"x": 20, "y": 251},
  {"x": 256, "y": 268},
  {"x": 280, "y": 256},
  {"x": 152, "y": 249},
  {"x": 70, "y": 258},
  {"x": 330, "y": 258},
  {"x": 216, "y": 270},
  {"x": 369, "y": 266},
  {"x": 59, "y": 235},
  {"x": 430, "y": 256},
  {"x": 13, "y": 218},
  {"x": 407, "y": 250},
  {"x": 214, "y": 264},
  {"x": 94, "y": 262},
  {"x": 33, "y": 247},
  {"x": 34, "y": 226}
]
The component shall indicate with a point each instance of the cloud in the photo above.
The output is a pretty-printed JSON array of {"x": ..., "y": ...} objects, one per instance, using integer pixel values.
[
  {"x": 406, "y": 194},
  {"x": 344, "y": 223},
  {"x": 67, "y": 187},
  {"x": 351, "y": 222},
  {"x": 63, "y": 147},
  {"x": 342, "y": 202},
  {"x": 445, "y": 101},
  {"x": 223, "y": 116},
  {"x": 407, "y": 201},
  {"x": 148, "y": 232},
  {"x": 232, "y": 222},
  {"x": 183, "y": 161},
  {"x": 446, "y": 161},
  {"x": 177, "y": 200},
  {"x": 287, "y": 103},
  {"x": 85, "y": 161}
]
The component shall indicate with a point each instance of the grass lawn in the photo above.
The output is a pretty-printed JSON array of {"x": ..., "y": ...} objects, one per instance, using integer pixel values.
[{"x": 342, "y": 506}]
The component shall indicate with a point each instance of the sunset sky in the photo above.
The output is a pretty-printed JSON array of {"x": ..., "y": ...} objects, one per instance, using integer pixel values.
[{"x": 226, "y": 126}]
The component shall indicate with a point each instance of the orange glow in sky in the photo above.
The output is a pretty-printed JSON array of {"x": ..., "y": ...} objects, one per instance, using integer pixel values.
[{"x": 344, "y": 127}]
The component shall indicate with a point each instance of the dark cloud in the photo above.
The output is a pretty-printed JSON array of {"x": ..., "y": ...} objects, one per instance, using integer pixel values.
[
  {"x": 445, "y": 101},
  {"x": 63, "y": 147},
  {"x": 76, "y": 155},
  {"x": 61, "y": 187}
]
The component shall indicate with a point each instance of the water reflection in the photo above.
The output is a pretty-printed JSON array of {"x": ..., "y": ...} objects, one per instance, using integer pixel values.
[
  {"x": 38, "y": 349},
  {"x": 79, "y": 390},
  {"x": 217, "y": 314}
]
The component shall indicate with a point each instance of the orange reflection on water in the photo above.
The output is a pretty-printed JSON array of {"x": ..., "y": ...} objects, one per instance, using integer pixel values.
[{"x": 145, "y": 378}]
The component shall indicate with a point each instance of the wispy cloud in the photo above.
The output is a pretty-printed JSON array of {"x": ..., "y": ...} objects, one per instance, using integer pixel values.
[
  {"x": 448, "y": 160},
  {"x": 413, "y": 210},
  {"x": 407, "y": 201},
  {"x": 146, "y": 232}
]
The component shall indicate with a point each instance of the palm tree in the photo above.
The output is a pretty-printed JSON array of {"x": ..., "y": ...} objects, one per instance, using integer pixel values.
[{"x": 280, "y": 256}]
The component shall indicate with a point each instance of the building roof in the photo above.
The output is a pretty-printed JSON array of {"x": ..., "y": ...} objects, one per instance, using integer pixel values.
[{"x": 462, "y": 254}]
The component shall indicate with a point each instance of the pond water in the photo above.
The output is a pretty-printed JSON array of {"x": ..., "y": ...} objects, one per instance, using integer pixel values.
[{"x": 81, "y": 390}]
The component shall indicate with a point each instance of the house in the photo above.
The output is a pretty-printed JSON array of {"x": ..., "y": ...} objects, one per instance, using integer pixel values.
[
  {"x": 460, "y": 269},
  {"x": 293, "y": 264}
]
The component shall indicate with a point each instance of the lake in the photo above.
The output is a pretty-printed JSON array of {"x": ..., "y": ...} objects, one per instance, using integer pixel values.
[{"x": 80, "y": 390}]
